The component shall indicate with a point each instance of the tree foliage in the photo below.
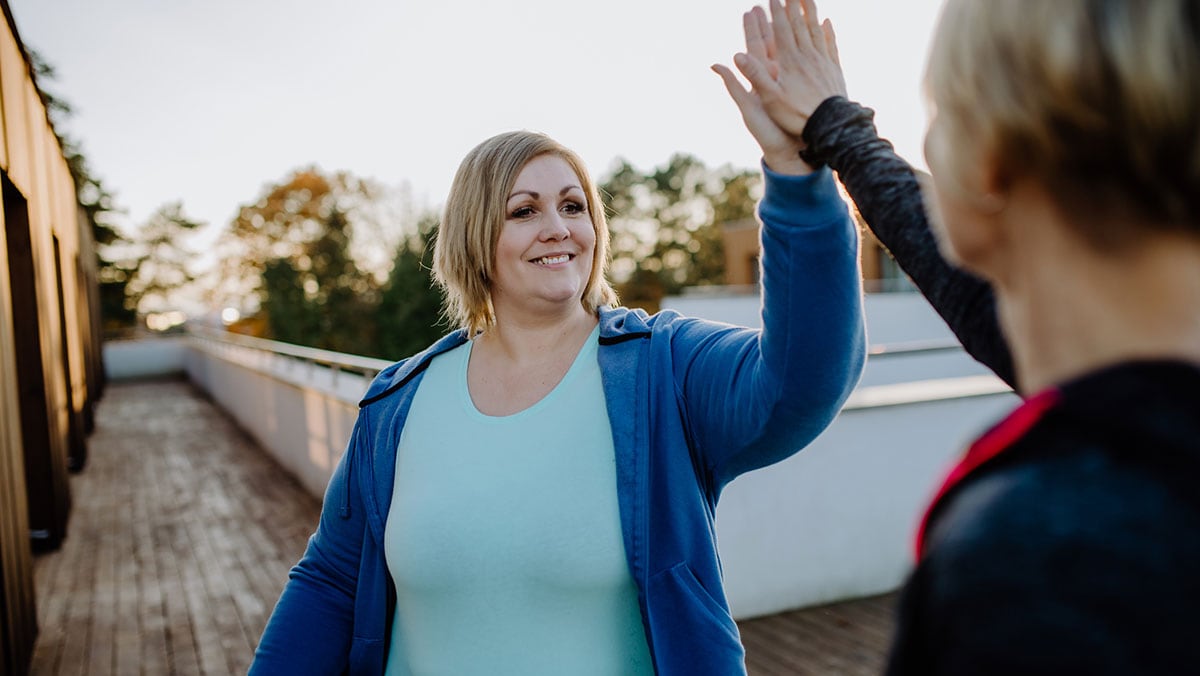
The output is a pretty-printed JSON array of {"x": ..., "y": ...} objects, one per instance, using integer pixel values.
[
  {"x": 407, "y": 317},
  {"x": 318, "y": 296},
  {"x": 666, "y": 225},
  {"x": 164, "y": 259},
  {"x": 285, "y": 222}
]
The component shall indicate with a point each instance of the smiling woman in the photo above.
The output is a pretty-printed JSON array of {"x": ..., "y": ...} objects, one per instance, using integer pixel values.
[{"x": 534, "y": 493}]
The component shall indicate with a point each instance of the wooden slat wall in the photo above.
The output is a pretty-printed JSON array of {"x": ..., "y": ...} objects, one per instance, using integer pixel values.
[{"x": 47, "y": 294}]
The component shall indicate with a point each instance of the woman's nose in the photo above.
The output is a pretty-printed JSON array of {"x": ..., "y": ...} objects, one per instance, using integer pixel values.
[{"x": 555, "y": 227}]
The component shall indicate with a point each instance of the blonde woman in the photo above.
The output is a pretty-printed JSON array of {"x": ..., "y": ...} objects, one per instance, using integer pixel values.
[
  {"x": 1065, "y": 155},
  {"x": 535, "y": 493}
]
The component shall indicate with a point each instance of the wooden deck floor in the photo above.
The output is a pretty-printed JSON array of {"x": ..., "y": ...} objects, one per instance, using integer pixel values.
[{"x": 183, "y": 531}]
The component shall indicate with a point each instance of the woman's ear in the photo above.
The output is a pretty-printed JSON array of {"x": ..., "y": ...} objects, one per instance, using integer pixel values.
[{"x": 994, "y": 181}]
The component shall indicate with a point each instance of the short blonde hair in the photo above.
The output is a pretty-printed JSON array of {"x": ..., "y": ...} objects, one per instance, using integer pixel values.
[
  {"x": 1097, "y": 99},
  {"x": 464, "y": 254}
]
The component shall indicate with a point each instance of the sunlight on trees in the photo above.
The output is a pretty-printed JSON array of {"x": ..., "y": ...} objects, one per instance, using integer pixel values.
[{"x": 666, "y": 225}]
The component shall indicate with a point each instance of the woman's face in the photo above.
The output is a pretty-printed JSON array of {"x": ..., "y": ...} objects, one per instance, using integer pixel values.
[{"x": 545, "y": 250}]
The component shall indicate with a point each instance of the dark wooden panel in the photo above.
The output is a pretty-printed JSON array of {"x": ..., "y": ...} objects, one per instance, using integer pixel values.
[
  {"x": 76, "y": 437},
  {"x": 18, "y": 613},
  {"x": 45, "y": 462}
]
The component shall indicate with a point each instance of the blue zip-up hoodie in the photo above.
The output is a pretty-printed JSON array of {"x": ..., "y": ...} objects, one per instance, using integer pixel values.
[{"x": 692, "y": 404}]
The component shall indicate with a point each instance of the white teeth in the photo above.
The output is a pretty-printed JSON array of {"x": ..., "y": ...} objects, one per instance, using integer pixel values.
[{"x": 552, "y": 260}]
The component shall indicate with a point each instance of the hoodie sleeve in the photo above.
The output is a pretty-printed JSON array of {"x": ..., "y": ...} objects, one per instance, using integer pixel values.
[{"x": 755, "y": 397}]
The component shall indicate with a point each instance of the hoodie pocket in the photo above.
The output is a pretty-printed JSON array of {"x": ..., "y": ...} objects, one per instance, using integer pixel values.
[{"x": 701, "y": 634}]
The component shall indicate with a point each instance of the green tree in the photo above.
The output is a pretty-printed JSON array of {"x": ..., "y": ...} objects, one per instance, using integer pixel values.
[
  {"x": 284, "y": 222},
  {"x": 344, "y": 294},
  {"x": 319, "y": 297},
  {"x": 666, "y": 225},
  {"x": 164, "y": 258},
  {"x": 115, "y": 263},
  {"x": 407, "y": 318},
  {"x": 290, "y": 317}
]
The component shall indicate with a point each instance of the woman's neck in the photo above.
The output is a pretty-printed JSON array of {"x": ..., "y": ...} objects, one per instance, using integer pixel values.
[
  {"x": 522, "y": 337},
  {"x": 1068, "y": 310}
]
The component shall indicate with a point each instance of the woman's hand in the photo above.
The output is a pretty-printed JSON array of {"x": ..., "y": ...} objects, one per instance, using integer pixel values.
[
  {"x": 791, "y": 61},
  {"x": 781, "y": 149}
]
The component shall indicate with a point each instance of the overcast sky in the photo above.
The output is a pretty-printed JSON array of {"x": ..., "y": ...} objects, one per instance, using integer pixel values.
[{"x": 206, "y": 101}]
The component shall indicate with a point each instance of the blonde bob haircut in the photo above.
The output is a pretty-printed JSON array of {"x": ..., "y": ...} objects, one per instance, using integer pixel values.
[
  {"x": 464, "y": 254},
  {"x": 1099, "y": 100}
]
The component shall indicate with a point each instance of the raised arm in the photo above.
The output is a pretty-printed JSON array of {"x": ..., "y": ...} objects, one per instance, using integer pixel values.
[
  {"x": 790, "y": 379},
  {"x": 800, "y": 85}
]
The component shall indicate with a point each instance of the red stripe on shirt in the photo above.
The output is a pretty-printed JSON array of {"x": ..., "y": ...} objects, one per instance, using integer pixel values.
[{"x": 994, "y": 442}]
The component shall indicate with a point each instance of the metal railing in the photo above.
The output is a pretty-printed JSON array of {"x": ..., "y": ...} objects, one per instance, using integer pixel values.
[{"x": 332, "y": 363}]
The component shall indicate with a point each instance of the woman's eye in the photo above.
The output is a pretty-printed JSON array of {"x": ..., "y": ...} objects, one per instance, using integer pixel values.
[
  {"x": 574, "y": 208},
  {"x": 522, "y": 212}
]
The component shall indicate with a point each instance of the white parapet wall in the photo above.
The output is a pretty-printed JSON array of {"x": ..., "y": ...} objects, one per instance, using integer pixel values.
[
  {"x": 154, "y": 357},
  {"x": 837, "y": 520},
  {"x": 300, "y": 412}
]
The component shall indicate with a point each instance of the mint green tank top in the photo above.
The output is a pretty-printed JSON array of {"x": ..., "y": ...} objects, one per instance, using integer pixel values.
[{"x": 504, "y": 537}]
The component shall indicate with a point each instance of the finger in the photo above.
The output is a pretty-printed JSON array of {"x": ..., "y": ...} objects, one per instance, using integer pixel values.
[
  {"x": 768, "y": 38},
  {"x": 736, "y": 91},
  {"x": 781, "y": 27},
  {"x": 812, "y": 24},
  {"x": 754, "y": 39},
  {"x": 795, "y": 17},
  {"x": 764, "y": 30},
  {"x": 831, "y": 42}
]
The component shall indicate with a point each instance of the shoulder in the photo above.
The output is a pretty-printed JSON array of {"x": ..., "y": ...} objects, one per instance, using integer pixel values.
[
  {"x": 1062, "y": 555},
  {"x": 620, "y": 323},
  {"x": 1080, "y": 495},
  {"x": 398, "y": 374},
  {"x": 1081, "y": 501}
]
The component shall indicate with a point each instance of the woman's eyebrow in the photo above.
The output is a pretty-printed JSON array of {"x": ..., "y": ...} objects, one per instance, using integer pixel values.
[{"x": 536, "y": 195}]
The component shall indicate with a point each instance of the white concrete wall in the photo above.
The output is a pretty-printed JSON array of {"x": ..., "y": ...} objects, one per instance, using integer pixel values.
[
  {"x": 144, "y": 358},
  {"x": 299, "y": 413},
  {"x": 891, "y": 318},
  {"x": 837, "y": 520}
]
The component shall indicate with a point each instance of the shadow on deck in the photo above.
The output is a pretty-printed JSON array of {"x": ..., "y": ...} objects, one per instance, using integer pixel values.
[{"x": 183, "y": 531}]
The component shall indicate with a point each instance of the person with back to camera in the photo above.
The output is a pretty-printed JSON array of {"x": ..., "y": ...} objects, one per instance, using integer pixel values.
[
  {"x": 534, "y": 493},
  {"x": 1065, "y": 158}
]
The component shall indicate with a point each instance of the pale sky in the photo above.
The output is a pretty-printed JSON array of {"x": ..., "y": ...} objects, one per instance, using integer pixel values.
[{"x": 206, "y": 101}]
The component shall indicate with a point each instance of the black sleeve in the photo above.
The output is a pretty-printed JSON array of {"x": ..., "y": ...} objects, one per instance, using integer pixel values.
[{"x": 842, "y": 134}]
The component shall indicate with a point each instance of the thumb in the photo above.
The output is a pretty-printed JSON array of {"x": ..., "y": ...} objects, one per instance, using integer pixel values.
[{"x": 736, "y": 91}]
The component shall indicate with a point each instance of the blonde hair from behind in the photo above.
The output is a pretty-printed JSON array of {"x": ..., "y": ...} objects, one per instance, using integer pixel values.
[
  {"x": 1097, "y": 99},
  {"x": 464, "y": 254}
]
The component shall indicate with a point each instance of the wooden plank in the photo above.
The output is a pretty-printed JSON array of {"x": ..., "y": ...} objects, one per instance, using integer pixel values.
[{"x": 843, "y": 638}]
